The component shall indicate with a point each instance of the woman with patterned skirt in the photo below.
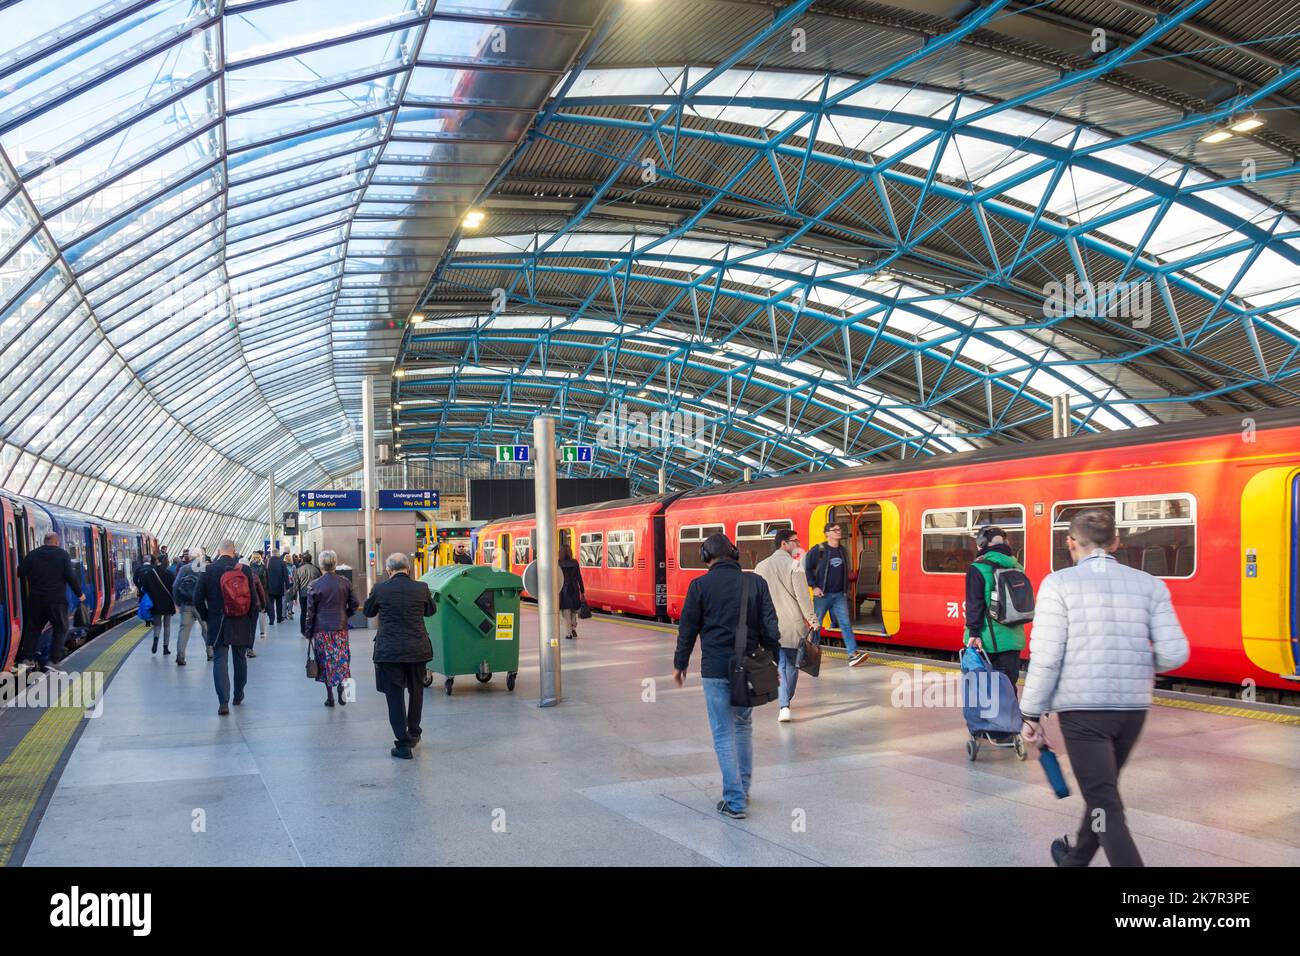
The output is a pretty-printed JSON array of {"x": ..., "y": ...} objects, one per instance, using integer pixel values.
[{"x": 330, "y": 602}]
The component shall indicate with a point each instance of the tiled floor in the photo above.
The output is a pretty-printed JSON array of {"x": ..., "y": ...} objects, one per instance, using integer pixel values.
[{"x": 621, "y": 773}]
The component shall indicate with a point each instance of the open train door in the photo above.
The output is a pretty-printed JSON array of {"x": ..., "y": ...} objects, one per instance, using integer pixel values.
[
  {"x": 1270, "y": 571},
  {"x": 11, "y": 621},
  {"x": 871, "y": 538}
]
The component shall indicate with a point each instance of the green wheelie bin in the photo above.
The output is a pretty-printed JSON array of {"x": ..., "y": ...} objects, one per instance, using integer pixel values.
[{"x": 476, "y": 629}]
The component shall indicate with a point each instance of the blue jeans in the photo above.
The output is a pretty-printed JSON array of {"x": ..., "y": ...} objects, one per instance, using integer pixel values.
[
  {"x": 789, "y": 675},
  {"x": 838, "y": 605},
  {"x": 732, "y": 740},
  {"x": 221, "y": 674}
]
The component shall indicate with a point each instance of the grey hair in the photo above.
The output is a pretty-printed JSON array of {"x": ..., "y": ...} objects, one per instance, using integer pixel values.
[
  {"x": 227, "y": 546},
  {"x": 398, "y": 562},
  {"x": 327, "y": 560}
]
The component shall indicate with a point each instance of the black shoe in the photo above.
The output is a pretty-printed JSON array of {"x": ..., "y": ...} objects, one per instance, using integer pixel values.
[
  {"x": 568, "y": 637},
  {"x": 402, "y": 752},
  {"x": 726, "y": 811},
  {"x": 253, "y": 653},
  {"x": 166, "y": 651},
  {"x": 180, "y": 661},
  {"x": 223, "y": 710},
  {"x": 329, "y": 701},
  {"x": 239, "y": 699},
  {"x": 155, "y": 647},
  {"x": 342, "y": 700},
  {"x": 413, "y": 739},
  {"x": 1060, "y": 850}
]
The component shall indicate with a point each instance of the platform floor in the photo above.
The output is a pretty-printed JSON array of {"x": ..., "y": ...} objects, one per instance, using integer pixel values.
[{"x": 610, "y": 778}]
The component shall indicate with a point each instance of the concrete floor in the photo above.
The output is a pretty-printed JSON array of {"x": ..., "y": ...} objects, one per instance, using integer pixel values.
[{"x": 621, "y": 773}]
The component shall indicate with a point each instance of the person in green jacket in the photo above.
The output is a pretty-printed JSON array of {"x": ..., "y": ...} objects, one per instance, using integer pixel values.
[{"x": 1001, "y": 642}]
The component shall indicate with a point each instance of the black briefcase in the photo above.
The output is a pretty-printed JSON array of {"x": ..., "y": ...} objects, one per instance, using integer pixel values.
[
  {"x": 809, "y": 658},
  {"x": 754, "y": 677}
]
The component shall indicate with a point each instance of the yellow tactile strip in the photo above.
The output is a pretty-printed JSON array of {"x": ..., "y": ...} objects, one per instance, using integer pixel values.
[
  {"x": 24, "y": 773},
  {"x": 1223, "y": 710}
]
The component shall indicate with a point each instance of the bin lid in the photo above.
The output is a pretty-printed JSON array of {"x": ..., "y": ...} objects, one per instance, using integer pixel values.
[{"x": 481, "y": 575}]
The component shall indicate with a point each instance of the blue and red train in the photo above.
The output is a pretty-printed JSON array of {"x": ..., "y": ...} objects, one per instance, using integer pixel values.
[{"x": 104, "y": 553}]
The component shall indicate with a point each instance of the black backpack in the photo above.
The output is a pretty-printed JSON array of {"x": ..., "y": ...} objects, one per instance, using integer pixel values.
[
  {"x": 187, "y": 581},
  {"x": 1011, "y": 602}
]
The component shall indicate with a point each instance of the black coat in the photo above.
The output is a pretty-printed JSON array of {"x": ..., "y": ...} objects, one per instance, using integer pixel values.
[
  {"x": 711, "y": 612},
  {"x": 235, "y": 631},
  {"x": 277, "y": 576},
  {"x": 49, "y": 573},
  {"x": 157, "y": 582},
  {"x": 401, "y": 606},
  {"x": 572, "y": 592}
]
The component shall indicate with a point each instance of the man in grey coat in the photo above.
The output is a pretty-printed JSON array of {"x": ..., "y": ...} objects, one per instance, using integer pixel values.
[
  {"x": 794, "y": 610},
  {"x": 1102, "y": 631}
]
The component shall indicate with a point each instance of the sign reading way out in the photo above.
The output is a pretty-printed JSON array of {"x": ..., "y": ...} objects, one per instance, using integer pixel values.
[{"x": 403, "y": 500}]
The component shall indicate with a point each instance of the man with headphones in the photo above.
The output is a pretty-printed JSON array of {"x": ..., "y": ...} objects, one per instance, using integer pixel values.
[
  {"x": 712, "y": 613},
  {"x": 1001, "y": 642}
]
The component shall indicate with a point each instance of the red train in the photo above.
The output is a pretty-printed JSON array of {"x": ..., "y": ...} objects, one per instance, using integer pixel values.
[{"x": 1210, "y": 506}]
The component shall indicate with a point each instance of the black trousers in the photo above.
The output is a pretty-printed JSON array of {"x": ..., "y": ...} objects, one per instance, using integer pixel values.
[
  {"x": 274, "y": 608},
  {"x": 1007, "y": 662},
  {"x": 404, "y": 716},
  {"x": 39, "y": 613},
  {"x": 302, "y": 617},
  {"x": 1099, "y": 742}
]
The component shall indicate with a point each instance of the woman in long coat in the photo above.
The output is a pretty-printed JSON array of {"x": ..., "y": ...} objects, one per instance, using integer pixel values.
[
  {"x": 156, "y": 581},
  {"x": 573, "y": 593},
  {"x": 330, "y": 602}
]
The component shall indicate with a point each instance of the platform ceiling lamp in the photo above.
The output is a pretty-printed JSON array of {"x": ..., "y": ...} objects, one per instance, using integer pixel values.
[{"x": 473, "y": 219}]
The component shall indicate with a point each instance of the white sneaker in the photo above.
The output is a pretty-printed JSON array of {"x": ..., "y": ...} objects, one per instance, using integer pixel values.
[
  {"x": 784, "y": 716},
  {"x": 858, "y": 658}
]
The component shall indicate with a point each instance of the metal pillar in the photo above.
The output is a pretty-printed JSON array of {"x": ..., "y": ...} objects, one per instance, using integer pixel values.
[
  {"x": 270, "y": 536},
  {"x": 663, "y": 480},
  {"x": 368, "y": 478},
  {"x": 748, "y": 474},
  {"x": 1061, "y": 415},
  {"x": 547, "y": 549}
]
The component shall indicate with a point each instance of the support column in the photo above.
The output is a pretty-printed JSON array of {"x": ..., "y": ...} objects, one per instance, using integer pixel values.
[
  {"x": 1061, "y": 415},
  {"x": 270, "y": 536},
  {"x": 547, "y": 549},
  {"x": 663, "y": 480},
  {"x": 368, "y": 559}
]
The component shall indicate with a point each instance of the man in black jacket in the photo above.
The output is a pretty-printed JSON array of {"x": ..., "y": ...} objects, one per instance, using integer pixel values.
[
  {"x": 230, "y": 636},
  {"x": 49, "y": 574},
  {"x": 711, "y": 613},
  {"x": 402, "y": 649},
  {"x": 277, "y": 579}
]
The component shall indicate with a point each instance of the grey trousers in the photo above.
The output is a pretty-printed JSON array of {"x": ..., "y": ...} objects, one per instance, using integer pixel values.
[
  {"x": 189, "y": 617},
  {"x": 162, "y": 624}
]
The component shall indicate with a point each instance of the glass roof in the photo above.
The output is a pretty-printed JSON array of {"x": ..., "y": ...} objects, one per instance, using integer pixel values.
[{"x": 215, "y": 218}]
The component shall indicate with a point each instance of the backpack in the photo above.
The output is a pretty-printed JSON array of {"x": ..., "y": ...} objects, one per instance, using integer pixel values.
[
  {"x": 1011, "y": 601},
  {"x": 236, "y": 594},
  {"x": 186, "y": 585}
]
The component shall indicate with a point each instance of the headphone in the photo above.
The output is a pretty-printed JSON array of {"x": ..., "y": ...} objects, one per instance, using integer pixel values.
[
  {"x": 986, "y": 534},
  {"x": 707, "y": 555}
]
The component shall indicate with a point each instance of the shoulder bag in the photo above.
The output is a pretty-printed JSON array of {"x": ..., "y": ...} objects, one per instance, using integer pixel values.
[
  {"x": 754, "y": 677},
  {"x": 809, "y": 657},
  {"x": 313, "y": 667}
]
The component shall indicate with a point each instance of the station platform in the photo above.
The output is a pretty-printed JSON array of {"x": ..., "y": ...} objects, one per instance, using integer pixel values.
[{"x": 620, "y": 773}]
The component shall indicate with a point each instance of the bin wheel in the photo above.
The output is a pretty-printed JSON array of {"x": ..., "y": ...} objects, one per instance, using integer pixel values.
[
  {"x": 483, "y": 678},
  {"x": 510, "y": 681},
  {"x": 1020, "y": 747},
  {"x": 447, "y": 684},
  {"x": 972, "y": 748}
]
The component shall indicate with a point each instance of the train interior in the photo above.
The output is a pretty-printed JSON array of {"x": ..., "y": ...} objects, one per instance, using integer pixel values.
[{"x": 862, "y": 528}]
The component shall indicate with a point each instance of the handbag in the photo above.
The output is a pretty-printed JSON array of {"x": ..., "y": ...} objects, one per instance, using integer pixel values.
[
  {"x": 313, "y": 666},
  {"x": 809, "y": 657},
  {"x": 584, "y": 612},
  {"x": 754, "y": 677},
  {"x": 144, "y": 610}
]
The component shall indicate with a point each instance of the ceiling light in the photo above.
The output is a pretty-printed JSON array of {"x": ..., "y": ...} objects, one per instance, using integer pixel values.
[
  {"x": 473, "y": 219},
  {"x": 1218, "y": 136},
  {"x": 417, "y": 318},
  {"x": 1246, "y": 124},
  {"x": 398, "y": 406},
  {"x": 399, "y": 373}
]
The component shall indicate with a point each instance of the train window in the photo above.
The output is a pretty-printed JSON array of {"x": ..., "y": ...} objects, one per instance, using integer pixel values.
[
  {"x": 621, "y": 549},
  {"x": 523, "y": 549},
  {"x": 1157, "y": 535},
  {"x": 948, "y": 535},
  {"x": 688, "y": 544},
  {"x": 489, "y": 551},
  {"x": 754, "y": 539},
  {"x": 591, "y": 549}
]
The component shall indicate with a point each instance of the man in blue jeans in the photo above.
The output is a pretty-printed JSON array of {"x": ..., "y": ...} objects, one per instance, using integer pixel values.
[
  {"x": 827, "y": 569},
  {"x": 711, "y": 613}
]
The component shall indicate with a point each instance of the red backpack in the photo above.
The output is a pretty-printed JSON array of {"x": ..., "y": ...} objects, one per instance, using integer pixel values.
[{"x": 236, "y": 595}]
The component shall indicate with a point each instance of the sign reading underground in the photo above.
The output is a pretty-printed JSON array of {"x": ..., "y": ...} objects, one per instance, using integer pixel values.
[{"x": 329, "y": 500}]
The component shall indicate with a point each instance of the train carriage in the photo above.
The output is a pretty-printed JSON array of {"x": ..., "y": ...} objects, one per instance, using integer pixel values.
[{"x": 1211, "y": 507}]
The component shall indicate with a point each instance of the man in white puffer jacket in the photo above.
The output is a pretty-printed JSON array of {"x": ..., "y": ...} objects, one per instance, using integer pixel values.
[{"x": 1102, "y": 631}]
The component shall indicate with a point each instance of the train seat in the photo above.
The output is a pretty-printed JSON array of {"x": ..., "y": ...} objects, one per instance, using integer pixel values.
[{"x": 1155, "y": 561}]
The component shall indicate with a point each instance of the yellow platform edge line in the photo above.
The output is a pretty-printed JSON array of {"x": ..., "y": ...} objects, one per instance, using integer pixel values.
[{"x": 24, "y": 772}]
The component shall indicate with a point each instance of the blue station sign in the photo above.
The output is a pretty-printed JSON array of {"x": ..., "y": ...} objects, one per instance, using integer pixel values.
[
  {"x": 404, "y": 500},
  {"x": 329, "y": 500}
]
